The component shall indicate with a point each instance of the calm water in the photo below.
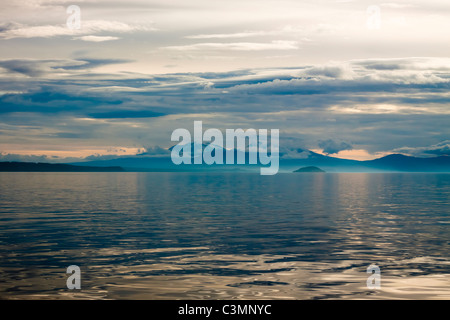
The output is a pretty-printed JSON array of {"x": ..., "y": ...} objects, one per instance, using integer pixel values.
[{"x": 224, "y": 236}]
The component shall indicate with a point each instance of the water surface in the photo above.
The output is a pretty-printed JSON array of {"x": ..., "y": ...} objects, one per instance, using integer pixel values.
[{"x": 224, "y": 236}]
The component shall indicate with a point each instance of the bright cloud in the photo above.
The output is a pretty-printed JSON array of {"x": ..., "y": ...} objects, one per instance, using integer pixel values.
[{"x": 238, "y": 46}]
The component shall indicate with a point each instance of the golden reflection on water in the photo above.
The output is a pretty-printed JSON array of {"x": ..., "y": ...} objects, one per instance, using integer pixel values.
[{"x": 271, "y": 279}]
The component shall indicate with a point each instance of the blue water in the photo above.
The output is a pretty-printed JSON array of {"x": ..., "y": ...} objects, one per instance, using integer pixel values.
[{"x": 224, "y": 236}]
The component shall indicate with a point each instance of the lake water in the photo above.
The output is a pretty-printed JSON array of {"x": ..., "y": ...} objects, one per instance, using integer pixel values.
[{"x": 224, "y": 236}]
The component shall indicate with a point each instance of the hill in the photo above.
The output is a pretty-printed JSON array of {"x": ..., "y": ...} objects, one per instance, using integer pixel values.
[
  {"x": 52, "y": 167},
  {"x": 309, "y": 169}
]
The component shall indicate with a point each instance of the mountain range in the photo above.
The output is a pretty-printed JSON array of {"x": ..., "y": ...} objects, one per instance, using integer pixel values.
[
  {"x": 15, "y": 166},
  {"x": 163, "y": 163},
  {"x": 389, "y": 163}
]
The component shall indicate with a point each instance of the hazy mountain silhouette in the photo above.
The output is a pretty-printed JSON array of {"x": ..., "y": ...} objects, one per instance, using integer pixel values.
[
  {"x": 390, "y": 163},
  {"x": 309, "y": 169},
  {"x": 52, "y": 167}
]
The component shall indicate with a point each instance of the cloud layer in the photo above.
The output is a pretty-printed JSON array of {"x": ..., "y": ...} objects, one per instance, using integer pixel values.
[
  {"x": 136, "y": 70},
  {"x": 321, "y": 106}
]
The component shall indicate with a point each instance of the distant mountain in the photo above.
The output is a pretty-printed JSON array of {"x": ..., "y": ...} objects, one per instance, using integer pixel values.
[
  {"x": 309, "y": 169},
  {"x": 390, "y": 163},
  {"x": 164, "y": 163},
  {"x": 52, "y": 167},
  {"x": 399, "y": 162}
]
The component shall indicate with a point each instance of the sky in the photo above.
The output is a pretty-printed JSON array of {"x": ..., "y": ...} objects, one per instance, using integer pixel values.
[{"x": 350, "y": 79}]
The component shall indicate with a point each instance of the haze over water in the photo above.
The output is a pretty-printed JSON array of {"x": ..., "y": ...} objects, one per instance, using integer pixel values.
[{"x": 224, "y": 236}]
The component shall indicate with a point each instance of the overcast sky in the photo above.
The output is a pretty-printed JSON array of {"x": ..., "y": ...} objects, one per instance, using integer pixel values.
[{"x": 354, "y": 79}]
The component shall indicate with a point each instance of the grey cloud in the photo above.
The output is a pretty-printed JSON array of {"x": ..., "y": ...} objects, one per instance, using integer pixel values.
[
  {"x": 27, "y": 67},
  {"x": 383, "y": 66},
  {"x": 124, "y": 113},
  {"x": 71, "y": 135},
  {"x": 439, "y": 149},
  {"x": 330, "y": 146},
  {"x": 380, "y": 64},
  {"x": 294, "y": 153},
  {"x": 37, "y": 68},
  {"x": 417, "y": 63},
  {"x": 90, "y": 63},
  {"x": 327, "y": 71},
  {"x": 154, "y": 151}
]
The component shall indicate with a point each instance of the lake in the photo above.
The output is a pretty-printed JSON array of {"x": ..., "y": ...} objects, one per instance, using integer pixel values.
[{"x": 224, "y": 235}]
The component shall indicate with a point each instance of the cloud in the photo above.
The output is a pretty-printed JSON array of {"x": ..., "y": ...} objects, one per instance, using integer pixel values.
[
  {"x": 385, "y": 108},
  {"x": 154, "y": 151},
  {"x": 228, "y": 35},
  {"x": 396, "y": 5},
  {"x": 439, "y": 149},
  {"x": 124, "y": 114},
  {"x": 90, "y": 63},
  {"x": 330, "y": 146},
  {"x": 96, "y": 38},
  {"x": 25, "y": 67},
  {"x": 238, "y": 46},
  {"x": 88, "y": 27},
  {"x": 331, "y": 71},
  {"x": 349, "y": 77},
  {"x": 37, "y": 68},
  {"x": 54, "y": 100},
  {"x": 411, "y": 63},
  {"x": 294, "y": 153}
]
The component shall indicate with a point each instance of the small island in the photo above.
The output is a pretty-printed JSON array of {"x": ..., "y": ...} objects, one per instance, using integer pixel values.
[{"x": 309, "y": 169}]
